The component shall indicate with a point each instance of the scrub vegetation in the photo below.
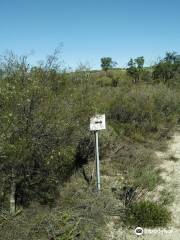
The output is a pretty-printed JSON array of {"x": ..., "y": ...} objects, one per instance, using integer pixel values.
[{"x": 47, "y": 184}]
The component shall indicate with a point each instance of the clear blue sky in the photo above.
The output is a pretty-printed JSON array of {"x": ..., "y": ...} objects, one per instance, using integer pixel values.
[{"x": 90, "y": 29}]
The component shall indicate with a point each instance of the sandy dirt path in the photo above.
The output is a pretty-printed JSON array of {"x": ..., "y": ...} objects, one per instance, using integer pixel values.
[{"x": 170, "y": 165}]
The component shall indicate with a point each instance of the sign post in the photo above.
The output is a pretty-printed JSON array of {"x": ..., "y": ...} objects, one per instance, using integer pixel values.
[{"x": 97, "y": 123}]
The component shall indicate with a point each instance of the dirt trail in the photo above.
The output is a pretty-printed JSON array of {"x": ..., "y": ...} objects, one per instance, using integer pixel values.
[{"x": 170, "y": 165}]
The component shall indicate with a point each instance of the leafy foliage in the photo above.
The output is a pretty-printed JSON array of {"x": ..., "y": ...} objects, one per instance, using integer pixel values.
[
  {"x": 107, "y": 63},
  {"x": 135, "y": 68},
  {"x": 144, "y": 109}
]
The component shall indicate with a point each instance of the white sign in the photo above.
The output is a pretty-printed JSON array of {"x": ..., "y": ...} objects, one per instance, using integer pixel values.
[{"x": 97, "y": 122}]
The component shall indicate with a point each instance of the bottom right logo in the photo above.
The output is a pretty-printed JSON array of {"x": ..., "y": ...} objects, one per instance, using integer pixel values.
[{"x": 139, "y": 231}]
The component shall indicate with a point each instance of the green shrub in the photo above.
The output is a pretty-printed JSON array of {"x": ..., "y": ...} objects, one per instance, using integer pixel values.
[
  {"x": 144, "y": 109},
  {"x": 105, "y": 81},
  {"x": 147, "y": 214},
  {"x": 146, "y": 177},
  {"x": 146, "y": 76},
  {"x": 167, "y": 197},
  {"x": 81, "y": 214},
  {"x": 115, "y": 82}
]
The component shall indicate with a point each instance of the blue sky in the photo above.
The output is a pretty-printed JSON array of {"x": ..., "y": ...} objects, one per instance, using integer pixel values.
[{"x": 90, "y": 29}]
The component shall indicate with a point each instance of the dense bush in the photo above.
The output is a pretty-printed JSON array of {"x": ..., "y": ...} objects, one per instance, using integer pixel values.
[
  {"x": 147, "y": 214},
  {"x": 81, "y": 214},
  {"x": 42, "y": 124},
  {"x": 145, "y": 109},
  {"x": 104, "y": 81}
]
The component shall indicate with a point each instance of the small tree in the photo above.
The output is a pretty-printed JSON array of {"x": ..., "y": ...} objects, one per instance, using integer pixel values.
[
  {"x": 131, "y": 70},
  {"x": 167, "y": 68},
  {"x": 106, "y": 63},
  {"x": 170, "y": 57},
  {"x": 36, "y": 150},
  {"x": 139, "y": 62},
  {"x": 139, "y": 65},
  {"x": 135, "y": 68}
]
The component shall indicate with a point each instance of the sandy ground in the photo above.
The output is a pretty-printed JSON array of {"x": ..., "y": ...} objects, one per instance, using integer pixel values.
[{"x": 171, "y": 175}]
